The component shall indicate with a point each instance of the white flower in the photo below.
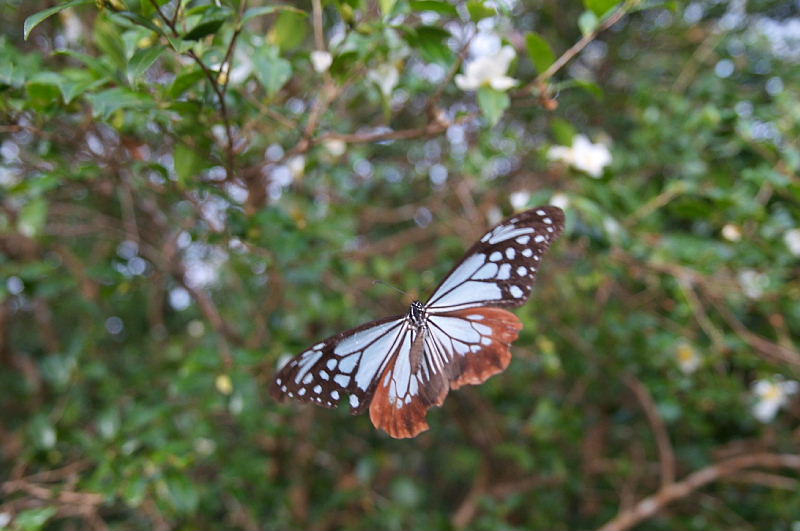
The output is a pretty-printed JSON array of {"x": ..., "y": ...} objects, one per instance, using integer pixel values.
[
  {"x": 753, "y": 283},
  {"x": 335, "y": 147},
  {"x": 386, "y": 77},
  {"x": 488, "y": 70},
  {"x": 687, "y": 358},
  {"x": 583, "y": 155},
  {"x": 321, "y": 60},
  {"x": 731, "y": 232},
  {"x": 519, "y": 199},
  {"x": 560, "y": 200},
  {"x": 792, "y": 240},
  {"x": 296, "y": 165},
  {"x": 770, "y": 396}
]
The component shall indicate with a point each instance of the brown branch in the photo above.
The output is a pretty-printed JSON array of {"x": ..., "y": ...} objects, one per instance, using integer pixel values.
[
  {"x": 651, "y": 505},
  {"x": 666, "y": 455}
]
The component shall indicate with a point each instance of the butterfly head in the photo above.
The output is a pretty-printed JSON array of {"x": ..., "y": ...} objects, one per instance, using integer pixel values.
[{"x": 416, "y": 314}]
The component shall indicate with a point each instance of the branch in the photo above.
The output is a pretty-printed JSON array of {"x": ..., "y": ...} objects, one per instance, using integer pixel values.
[
  {"x": 651, "y": 505},
  {"x": 666, "y": 455}
]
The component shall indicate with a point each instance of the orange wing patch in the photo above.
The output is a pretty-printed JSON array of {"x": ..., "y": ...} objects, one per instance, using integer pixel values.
[{"x": 476, "y": 367}]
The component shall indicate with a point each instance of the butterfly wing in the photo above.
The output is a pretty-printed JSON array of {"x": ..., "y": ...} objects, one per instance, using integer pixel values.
[
  {"x": 457, "y": 348},
  {"x": 346, "y": 364},
  {"x": 499, "y": 270}
]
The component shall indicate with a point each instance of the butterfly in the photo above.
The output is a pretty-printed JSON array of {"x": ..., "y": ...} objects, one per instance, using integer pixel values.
[{"x": 401, "y": 366}]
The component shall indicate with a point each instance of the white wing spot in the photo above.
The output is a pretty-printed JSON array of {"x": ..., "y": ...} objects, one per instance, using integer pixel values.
[
  {"x": 487, "y": 271},
  {"x": 301, "y": 392},
  {"x": 522, "y": 240},
  {"x": 307, "y": 379},
  {"x": 549, "y": 229},
  {"x": 505, "y": 272},
  {"x": 317, "y": 389},
  {"x": 495, "y": 256},
  {"x": 324, "y": 375},
  {"x": 547, "y": 220},
  {"x": 515, "y": 291},
  {"x": 476, "y": 317},
  {"x": 353, "y": 401},
  {"x": 539, "y": 239},
  {"x": 342, "y": 380},
  {"x": 290, "y": 394},
  {"x": 346, "y": 365},
  {"x": 278, "y": 381},
  {"x": 527, "y": 253},
  {"x": 510, "y": 253},
  {"x": 486, "y": 341},
  {"x": 331, "y": 364},
  {"x": 541, "y": 212},
  {"x": 283, "y": 388},
  {"x": 335, "y": 394},
  {"x": 522, "y": 271},
  {"x": 318, "y": 346},
  {"x": 475, "y": 348}
]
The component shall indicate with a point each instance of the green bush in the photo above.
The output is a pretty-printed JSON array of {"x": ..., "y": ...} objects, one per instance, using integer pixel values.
[{"x": 191, "y": 191}]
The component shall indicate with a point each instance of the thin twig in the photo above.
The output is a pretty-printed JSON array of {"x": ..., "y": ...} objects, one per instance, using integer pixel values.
[
  {"x": 666, "y": 455},
  {"x": 651, "y": 505}
]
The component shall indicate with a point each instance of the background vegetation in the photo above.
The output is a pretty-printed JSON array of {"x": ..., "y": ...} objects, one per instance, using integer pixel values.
[{"x": 189, "y": 194}]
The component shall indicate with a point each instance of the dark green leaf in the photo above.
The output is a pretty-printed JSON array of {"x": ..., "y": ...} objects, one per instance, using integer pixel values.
[
  {"x": 141, "y": 61},
  {"x": 110, "y": 41},
  {"x": 184, "y": 82},
  {"x": 493, "y": 104},
  {"x": 34, "y": 519},
  {"x": 431, "y": 43},
  {"x": 437, "y": 6},
  {"x": 539, "y": 51},
  {"x": 203, "y": 30},
  {"x": 36, "y": 19},
  {"x": 563, "y": 132},
  {"x": 138, "y": 19}
]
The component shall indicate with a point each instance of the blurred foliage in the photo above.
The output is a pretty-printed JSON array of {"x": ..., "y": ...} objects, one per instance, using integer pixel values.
[{"x": 185, "y": 199}]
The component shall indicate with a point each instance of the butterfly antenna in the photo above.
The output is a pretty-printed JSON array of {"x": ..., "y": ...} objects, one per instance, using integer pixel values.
[{"x": 387, "y": 284}]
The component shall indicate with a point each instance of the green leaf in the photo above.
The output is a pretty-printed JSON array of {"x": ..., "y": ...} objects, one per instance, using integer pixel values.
[
  {"x": 479, "y": 11},
  {"x": 539, "y": 51},
  {"x": 600, "y": 7},
  {"x": 271, "y": 70},
  {"x": 97, "y": 66},
  {"x": 590, "y": 87},
  {"x": 493, "y": 104},
  {"x": 142, "y": 60},
  {"x": 203, "y": 29},
  {"x": 563, "y": 132},
  {"x": 138, "y": 19},
  {"x": 108, "y": 101},
  {"x": 75, "y": 82},
  {"x": 110, "y": 42},
  {"x": 254, "y": 12},
  {"x": 184, "y": 82},
  {"x": 587, "y": 22},
  {"x": 37, "y": 18},
  {"x": 289, "y": 30},
  {"x": 437, "y": 6},
  {"x": 32, "y": 217},
  {"x": 33, "y": 519},
  {"x": 188, "y": 163},
  {"x": 431, "y": 41},
  {"x": 387, "y": 6}
]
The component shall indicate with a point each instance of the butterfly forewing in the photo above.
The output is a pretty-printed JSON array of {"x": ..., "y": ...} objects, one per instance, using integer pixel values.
[
  {"x": 345, "y": 365},
  {"x": 499, "y": 270}
]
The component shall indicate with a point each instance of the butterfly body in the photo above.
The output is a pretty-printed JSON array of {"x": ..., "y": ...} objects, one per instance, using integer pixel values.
[{"x": 401, "y": 366}]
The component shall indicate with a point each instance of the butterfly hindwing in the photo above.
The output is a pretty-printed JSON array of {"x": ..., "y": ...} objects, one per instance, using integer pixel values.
[
  {"x": 343, "y": 365},
  {"x": 499, "y": 270}
]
